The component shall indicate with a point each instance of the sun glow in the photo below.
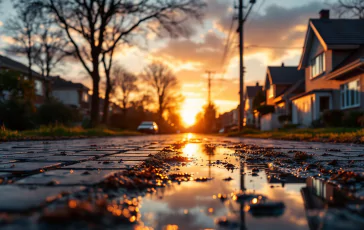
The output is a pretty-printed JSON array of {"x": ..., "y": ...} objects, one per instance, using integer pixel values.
[{"x": 188, "y": 117}]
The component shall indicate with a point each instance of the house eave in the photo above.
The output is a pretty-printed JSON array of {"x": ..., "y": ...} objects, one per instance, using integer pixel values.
[
  {"x": 345, "y": 69},
  {"x": 309, "y": 93},
  {"x": 343, "y": 47},
  {"x": 278, "y": 99}
]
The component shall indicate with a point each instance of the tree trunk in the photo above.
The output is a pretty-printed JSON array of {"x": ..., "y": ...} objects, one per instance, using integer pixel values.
[
  {"x": 125, "y": 111},
  {"x": 48, "y": 85},
  {"x": 160, "y": 111},
  {"x": 106, "y": 102},
  {"x": 95, "y": 100}
]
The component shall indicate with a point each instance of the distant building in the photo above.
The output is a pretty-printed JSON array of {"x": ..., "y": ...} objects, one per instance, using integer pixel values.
[
  {"x": 72, "y": 94},
  {"x": 281, "y": 83},
  {"x": 228, "y": 119},
  {"x": 40, "y": 82},
  {"x": 251, "y": 93}
]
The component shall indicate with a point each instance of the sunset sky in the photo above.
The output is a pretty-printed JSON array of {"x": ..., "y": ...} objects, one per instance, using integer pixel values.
[{"x": 273, "y": 23}]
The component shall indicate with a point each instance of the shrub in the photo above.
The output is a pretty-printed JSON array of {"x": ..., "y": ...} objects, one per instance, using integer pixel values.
[
  {"x": 266, "y": 109},
  {"x": 117, "y": 120},
  {"x": 54, "y": 112},
  {"x": 317, "y": 123},
  {"x": 290, "y": 126},
  {"x": 352, "y": 119},
  {"x": 333, "y": 118},
  {"x": 86, "y": 123},
  {"x": 361, "y": 121},
  {"x": 17, "y": 114},
  {"x": 284, "y": 118}
]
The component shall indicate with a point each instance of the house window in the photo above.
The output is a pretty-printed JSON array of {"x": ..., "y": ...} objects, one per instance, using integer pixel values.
[
  {"x": 38, "y": 88},
  {"x": 318, "y": 65},
  {"x": 85, "y": 97},
  {"x": 271, "y": 92},
  {"x": 350, "y": 94}
]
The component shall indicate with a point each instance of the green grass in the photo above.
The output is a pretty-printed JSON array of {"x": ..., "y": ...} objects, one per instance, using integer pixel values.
[
  {"x": 339, "y": 135},
  {"x": 61, "y": 132}
]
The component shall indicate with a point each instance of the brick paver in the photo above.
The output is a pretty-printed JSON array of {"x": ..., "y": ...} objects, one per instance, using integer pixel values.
[{"x": 34, "y": 173}]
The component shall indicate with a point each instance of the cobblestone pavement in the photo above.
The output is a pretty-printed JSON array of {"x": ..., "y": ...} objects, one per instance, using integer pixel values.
[{"x": 34, "y": 174}]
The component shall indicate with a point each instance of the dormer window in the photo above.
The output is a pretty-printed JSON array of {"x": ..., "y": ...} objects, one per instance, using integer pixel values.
[{"x": 318, "y": 65}]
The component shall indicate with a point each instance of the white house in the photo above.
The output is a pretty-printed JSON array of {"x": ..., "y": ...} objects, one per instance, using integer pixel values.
[
  {"x": 72, "y": 94},
  {"x": 333, "y": 61}
]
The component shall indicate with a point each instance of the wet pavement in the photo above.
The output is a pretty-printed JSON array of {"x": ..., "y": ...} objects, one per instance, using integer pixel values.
[{"x": 181, "y": 182}]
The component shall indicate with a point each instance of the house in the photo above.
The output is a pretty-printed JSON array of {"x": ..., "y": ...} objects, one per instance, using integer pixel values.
[
  {"x": 251, "y": 92},
  {"x": 333, "y": 61},
  {"x": 281, "y": 83},
  {"x": 229, "y": 119},
  {"x": 72, "y": 94},
  {"x": 40, "y": 82}
]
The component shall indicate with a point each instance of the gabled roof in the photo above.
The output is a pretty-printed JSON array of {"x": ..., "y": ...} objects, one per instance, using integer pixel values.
[
  {"x": 252, "y": 91},
  {"x": 8, "y": 63},
  {"x": 340, "y": 31},
  {"x": 60, "y": 83},
  {"x": 333, "y": 34},
  {"x": 298, "y": 88},
  {"x": 284, "y": 75}
]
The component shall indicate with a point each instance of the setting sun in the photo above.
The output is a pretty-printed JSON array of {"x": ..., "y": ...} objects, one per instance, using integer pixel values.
[{"x": 188, "y": 118}]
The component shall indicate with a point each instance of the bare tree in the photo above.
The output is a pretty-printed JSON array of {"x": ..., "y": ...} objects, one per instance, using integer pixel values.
[
  {"x": 36, "y": 38},
  {"x": 95, "y": 27},
  {"x": 22, "y": 28},
  {"x": 50, "y": 49},
  {"x": 164, "y": 85},
  {"x": 349, "y": 8},
  {"x": 127, "y": 83},
  {"x": 142, "y": 102},
  {"x": 107, "y": 61}
]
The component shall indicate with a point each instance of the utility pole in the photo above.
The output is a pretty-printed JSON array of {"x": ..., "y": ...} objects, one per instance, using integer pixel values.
[
  {"x": 209, "y": 74},
  {"x": 241, "y": 64},
  {"x": 242, "y": 20}
]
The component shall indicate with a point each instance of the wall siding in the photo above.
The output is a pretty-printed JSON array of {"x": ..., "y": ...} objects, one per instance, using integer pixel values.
[
  {"x": 269, "y": 122},
  {"x": 302, "y": 110},
  {"x": 68, "y": 97},
  {"x": 316, "y": 49}
]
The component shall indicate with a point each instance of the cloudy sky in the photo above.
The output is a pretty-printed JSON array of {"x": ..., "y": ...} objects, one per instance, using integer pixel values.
[{"x": 276, "y": 26}]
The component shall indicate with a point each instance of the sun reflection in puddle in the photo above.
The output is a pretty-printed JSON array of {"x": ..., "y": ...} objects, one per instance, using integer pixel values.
[
  {"x": 190, "y": 150},
  {"x": 197, "y": 205}
]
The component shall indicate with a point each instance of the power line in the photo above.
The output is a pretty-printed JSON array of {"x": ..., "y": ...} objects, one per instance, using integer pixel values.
[
  {"x": 273, "y": 47},
  {"x": 228, "y": 41},
  {"x": 256, "y": 13}
]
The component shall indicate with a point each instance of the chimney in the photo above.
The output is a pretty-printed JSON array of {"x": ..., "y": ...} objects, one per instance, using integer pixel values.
[
  {"x": 257, "y": 84},
  {"x": 282, "y": 64},
  {"x": 324, "y": 14}
]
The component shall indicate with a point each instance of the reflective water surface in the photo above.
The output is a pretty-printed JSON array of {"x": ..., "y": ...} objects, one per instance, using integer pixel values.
[
  {"x": 196, "y": 205},
  {"x": 271, "y": 202}
]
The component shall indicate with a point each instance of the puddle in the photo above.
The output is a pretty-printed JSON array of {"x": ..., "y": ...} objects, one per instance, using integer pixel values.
[{"x": 293, "y": 203}]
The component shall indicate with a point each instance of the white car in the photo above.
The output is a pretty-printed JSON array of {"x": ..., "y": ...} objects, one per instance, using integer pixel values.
[{"x": 148, "y": 127}]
